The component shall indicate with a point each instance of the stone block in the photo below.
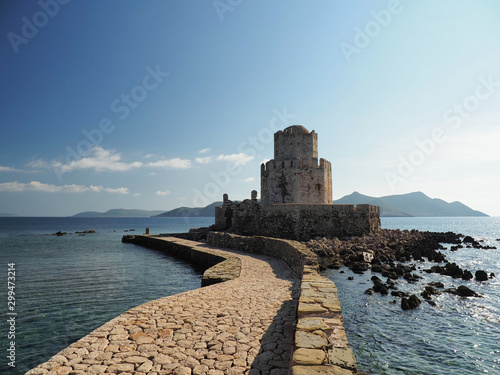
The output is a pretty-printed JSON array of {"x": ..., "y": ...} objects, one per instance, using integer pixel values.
[
  {"x": 308, "y": 357},
  {"x": 309, "y": 340},
  {"x": 312, "y": 324},
  {"x": 320, "y": 370},
  {"x": 342, "y": 357},
  {"x": 305, "y": 309}
]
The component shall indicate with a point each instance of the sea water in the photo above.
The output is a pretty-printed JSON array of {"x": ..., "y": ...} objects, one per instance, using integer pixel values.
[
  {"x": 457, "y": 336},
  {"x": 67, "y": 286}
]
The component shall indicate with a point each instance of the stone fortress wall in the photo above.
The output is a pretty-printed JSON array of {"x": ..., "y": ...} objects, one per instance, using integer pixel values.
[
  {"x": 296, "y": 197},
  {"x": 298, "y": 221}
]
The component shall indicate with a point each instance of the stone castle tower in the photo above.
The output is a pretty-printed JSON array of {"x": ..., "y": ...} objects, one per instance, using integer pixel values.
[{"x": 294, "y": 175}]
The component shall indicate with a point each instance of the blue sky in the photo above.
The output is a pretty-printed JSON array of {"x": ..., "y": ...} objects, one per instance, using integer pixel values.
[{"x": 160, "y": 104}]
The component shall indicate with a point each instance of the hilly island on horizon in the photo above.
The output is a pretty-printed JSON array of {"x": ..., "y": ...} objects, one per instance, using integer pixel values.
[{"x": 415, "y": 204}]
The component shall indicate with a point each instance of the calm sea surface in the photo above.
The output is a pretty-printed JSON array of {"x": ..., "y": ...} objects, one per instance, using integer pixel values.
[
  {"x": 459, "y": 336},
  {"x": 67, "y": 286}
]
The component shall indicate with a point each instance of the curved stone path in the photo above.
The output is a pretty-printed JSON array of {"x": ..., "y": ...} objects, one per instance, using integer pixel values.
[{"x": 241, "y": 326}]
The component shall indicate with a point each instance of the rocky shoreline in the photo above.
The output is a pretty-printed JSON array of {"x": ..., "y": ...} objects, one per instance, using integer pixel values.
[{"x": 388, "y": 252}]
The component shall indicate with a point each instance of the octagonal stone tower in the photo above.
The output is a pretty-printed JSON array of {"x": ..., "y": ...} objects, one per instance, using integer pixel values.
[{"x": 294, "y": 175}]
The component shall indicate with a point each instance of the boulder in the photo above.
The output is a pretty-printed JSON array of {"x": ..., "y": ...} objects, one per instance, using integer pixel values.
[
  {"x": 410, "y": 303},
  {"x": 467, "y": 275},
  {"x": 481, "y": 275},
  {"x": 436, "y": 284},
  {"x": 462, "y": 291},
  {"x": 468, "y": 239},
  {"x": 431, "y": 290}
]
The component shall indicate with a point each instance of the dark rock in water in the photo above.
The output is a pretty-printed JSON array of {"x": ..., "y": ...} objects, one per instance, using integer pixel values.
[
  {"x": 426, "y": 294},
  {"x": 488, "y": 247},
  {"x": 447, "y": 237},
  {"x": 481, "y": 275},
  {"x": 410, "y": 303},
  {"x": 390, "y": 274},
  {"x": 453, "y": 270},
  {"x": 492, "y": 275},
  {"x": 432, "y": 303},
  {"x": 59, "y": 234},
  {"x": 436, "y": 284},
  {"x": 467, "y": 275},
  {"x": 431, "y": 290},
  {"x": 400, "y": 294},
  {"x": 359, "y": 267},
  {"x": 468, "y": 239},
  {"x": 379, "y": 286},
  {"x": 462, "y": 291},
  {"x": 391, "y": 284},
  {"x": 369, "y": 291},
  {"x": 411, "y": 278},
  {"x": 350, "y": 278},
  {"x": 375, "y": 279},
  {"x": 466, "y": 292}
]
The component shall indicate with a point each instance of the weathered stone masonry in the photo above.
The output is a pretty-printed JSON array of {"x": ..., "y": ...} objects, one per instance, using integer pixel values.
[
  {"x": 296, "y": 197},
  {"x": 294, "y": 176},
  {"x": 299, "y": 221}
]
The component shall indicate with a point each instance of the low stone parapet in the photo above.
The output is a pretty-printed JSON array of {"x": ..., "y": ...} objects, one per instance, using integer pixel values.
[
  {"x": 321, "y": 346},
  {"x": 218, "y": 268},
  {"x": 295, "y": 254}
]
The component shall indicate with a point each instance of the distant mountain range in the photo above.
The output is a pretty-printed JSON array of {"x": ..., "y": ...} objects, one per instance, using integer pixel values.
[
  {"x": 207, "y": 211},
  {"x": 412, "y": 204},
  {"x": 119, "y": 212}
]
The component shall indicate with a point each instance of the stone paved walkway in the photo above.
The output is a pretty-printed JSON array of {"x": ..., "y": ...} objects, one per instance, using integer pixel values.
[{"x": 240, "y": 326}]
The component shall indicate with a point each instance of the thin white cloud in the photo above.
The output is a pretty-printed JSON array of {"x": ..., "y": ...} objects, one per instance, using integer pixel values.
[
  {"x": 38, "y": 164},
  {"x": 99, "y": 160},
  {"x": 238, "y": 159},
  {"x": 205, "y": 150},
  {"x": 50, "y": 188},
  {"x": 249, "y": 179},
  {"x": 166, "y": 192},
  {"x": 102, "y": 160},
  {"x": 204, "y": 160},
  {"x": 9, "y": 169},
  {"x": 175, "y": 163}
]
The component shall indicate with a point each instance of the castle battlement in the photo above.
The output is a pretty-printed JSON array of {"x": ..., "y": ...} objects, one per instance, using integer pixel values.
[{"x": 297, "y": 163}]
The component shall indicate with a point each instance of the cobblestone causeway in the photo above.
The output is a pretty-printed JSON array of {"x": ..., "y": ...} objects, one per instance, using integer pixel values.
[{"x": 242, "y": 326}]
